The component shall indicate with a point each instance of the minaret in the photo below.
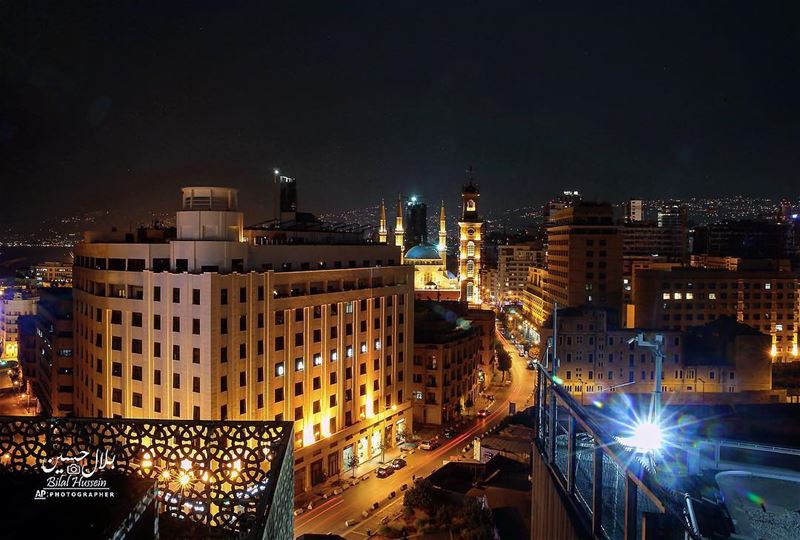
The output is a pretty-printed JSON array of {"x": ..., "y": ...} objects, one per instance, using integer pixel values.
[
  {"x": 399, "y": 232},
  {"x": 443, "y": 237},
  {"x": 382, "y": 232}
]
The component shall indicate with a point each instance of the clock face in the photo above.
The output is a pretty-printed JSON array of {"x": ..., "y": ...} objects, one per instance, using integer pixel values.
[{"x": 470, "y": 231}]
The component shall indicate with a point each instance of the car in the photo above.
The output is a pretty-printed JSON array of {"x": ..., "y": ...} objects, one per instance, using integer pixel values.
[
  {"x": 431, "y": 444},
  {"x": 449, "y": 433},
  {"x": 383, "y": 471},
  {"x": 490, "y": 397},
  {"x": 482, "y": 413},
  {"x": 398, "y": 463}
]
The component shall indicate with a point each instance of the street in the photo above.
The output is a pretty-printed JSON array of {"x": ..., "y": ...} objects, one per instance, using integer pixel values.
[
  {"x": 11, "y": 403},
  {"x": 330, "y": 515}
]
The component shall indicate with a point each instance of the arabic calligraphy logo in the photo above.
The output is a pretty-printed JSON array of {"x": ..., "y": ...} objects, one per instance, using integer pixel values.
[{"x": 73, "y": 476}]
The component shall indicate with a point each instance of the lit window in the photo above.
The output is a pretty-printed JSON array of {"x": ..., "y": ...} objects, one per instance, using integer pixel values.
[
  {"x": 470, "y": 249},
  {"x": 768, "y": 286},
  {"x": 689, "y": 296},
  {"x": 298, "y": 364},
  {"x": 678, "y": 296},
  {"x": 779, "y": 328},
  {"x": 363, "y": 347},
  {"x": 334, "y": 356},
  {"x": 712, "y": 296},
  {"x": 666, "y": 296},
  {"x": 317, "y": 359},
  {"x": 377, "y": 344},
  {"x": 279, "y": 369},
  {"x": 349, "y": 351}
]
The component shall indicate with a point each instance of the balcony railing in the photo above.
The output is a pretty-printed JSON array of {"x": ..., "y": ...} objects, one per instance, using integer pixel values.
[{"x": 607, "y": 489}]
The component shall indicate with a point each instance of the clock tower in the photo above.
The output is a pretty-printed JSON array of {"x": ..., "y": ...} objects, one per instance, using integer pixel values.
[{"x": 469, "y": 256}]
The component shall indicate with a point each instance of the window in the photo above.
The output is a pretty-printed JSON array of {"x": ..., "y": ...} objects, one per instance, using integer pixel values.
[
  {"x": 317, "y": 359},
  {"x": 156, "y": 322},
  {"x": 176, "y": 352},
  {"x": 242, "y": 379},
  {"x": 196, "y": 385},
  {"x": 223, "y": 355},
  {"x": 136, "y": 400},
  {"x": 223, "y": 383},
  {"x": 298, "y": 364},
  {"x": 298, "y": 388},
  {"x": 333, "y": 377},
  {"x": 176, "y": 324},
  {"x": 223, "y": 325},
  {"x": 136, "y": 346},
  {"x": 278, "y": 395},
  {"x": 334, "y": 355},
  {"x": 279, "y": 369},
  {"x": 176, "y": 381},
  {"x": 116, "y": 369},
  {"x": 196, "y": 297},
  {"x": 136, "y": 373},
  {"x": 176, "y": 295},
  {"x": 176, "y": 409},
  {"x": 116, "y": 343},
  {"x": 243, "y": 323},
  {"x": 279, "y": 343},
  {"x": 242, "y": 294},
  {"x": 136, "y": 319},
  {"x": 196, "y": 327},
  {"x": 470, "y": 249},
  {"x": 195, "y": 355},
  {"x": 316, "y": 383},
  {"x": 223, "y": 296},
  {"x": 156, "y": 294},
  {"x": 157, "y": 376},
  {"x": 298, "y": 413},
  {"x": 116, "y": 395},
  {"x": 332, "y": 400}
]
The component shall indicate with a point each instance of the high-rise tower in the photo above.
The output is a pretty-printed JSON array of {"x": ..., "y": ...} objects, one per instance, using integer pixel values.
[
  {"x": 469, "y": 257},
  {"x": 382, "y": 231}
]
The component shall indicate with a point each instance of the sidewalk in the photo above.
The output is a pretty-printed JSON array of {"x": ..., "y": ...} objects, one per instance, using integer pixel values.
[{"x": 345, "y": 479}]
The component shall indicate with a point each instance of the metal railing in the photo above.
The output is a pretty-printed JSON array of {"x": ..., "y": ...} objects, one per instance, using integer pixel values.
[{"x": 612, "y": 495}]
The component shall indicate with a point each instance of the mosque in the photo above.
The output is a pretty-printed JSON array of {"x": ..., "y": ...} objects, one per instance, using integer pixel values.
[{"x": 432, "y": 279}]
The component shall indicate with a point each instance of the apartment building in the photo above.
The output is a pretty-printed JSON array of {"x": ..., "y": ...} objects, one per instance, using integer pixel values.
[
  {"x": 447, "y": 358},
  {"x": 513, "y": 262},
  {"x": 584, "y": 258},
  {"x": 217, "y": 324},
  {"x": 680, "y": 298},
  {"x": 53, "y": 274},
  {"x": 14, "y": 303},
  {"x": 54, "y": 352},
  {"x": 723, "y": 357}
]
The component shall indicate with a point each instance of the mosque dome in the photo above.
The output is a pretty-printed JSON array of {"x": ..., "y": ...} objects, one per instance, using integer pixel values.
[{"x": 423, "y": 251}]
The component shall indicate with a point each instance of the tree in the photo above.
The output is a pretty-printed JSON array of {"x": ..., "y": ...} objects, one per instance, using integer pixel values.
[
  {"x": 352, "y": 461},
  {"x": 420, "y": 496},
  {"x": 477, "y": 520},
  {"x": 503, "y": 361},
  {"x": 469, "y": 403}
]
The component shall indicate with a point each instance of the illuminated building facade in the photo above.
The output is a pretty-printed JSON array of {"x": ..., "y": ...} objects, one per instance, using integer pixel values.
[
  {"x": 513, "y": 262},
  {"x": 13, "y": 304},
  {"x": 447, "y": 358},
  {"x": 704, "y": 364},
  {"x": 53, "y": 274},
  {"x": 683, "y": 297},
  {"x": 470, "y": 238},
  {"x": 209, "y": 325},
  {"x": 584, "y": 258}
]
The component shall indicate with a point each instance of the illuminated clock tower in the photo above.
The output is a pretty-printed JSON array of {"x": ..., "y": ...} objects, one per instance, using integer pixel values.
[{"x": 469, "y": 257}]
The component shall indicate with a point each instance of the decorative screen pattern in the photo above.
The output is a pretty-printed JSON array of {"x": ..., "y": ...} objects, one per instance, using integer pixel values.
[{"x": 220, "y": 474}]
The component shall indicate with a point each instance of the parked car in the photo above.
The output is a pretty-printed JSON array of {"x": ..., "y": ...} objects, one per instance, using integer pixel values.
[
  {"x": 429, "y": 445},
  {"x": 383, "y": 471},
  {"x": 449, "y": 433},
  {"x": 398, "y": 463},
  {"x": 482, "y": 413}
]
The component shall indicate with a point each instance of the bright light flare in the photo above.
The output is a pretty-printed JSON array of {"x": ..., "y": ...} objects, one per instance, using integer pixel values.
[{"x": 645, "y": 437}]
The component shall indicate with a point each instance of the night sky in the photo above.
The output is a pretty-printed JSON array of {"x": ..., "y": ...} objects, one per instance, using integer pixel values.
[{"x": 118, "y": 104}]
